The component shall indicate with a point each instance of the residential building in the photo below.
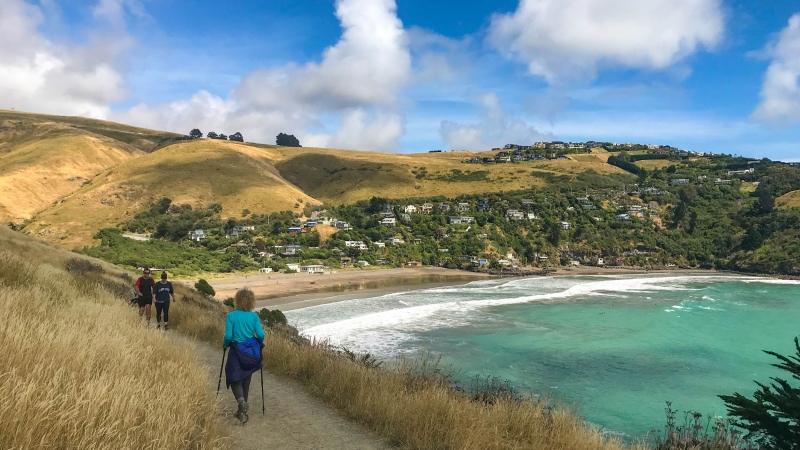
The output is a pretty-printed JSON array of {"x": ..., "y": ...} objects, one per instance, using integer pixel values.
[
  {"x": 356, "y": 244},
  {"x": 444, "y": 207},
  {"x": 410, "y": 209},
  {"x": 484, "y": 206},
  {"x": 531, "y": 216},
  {"x": 741, "y": 172},
  {"x": 295, "y": 231},
  {"x": 291, "y": 250},
  {"x": 566, "y": 225},
  {"x": 720, "y": 182},
  {"x": 265, "y": 270},
  {"x": 426, "y": 208},
  {"x": 293, "y": 266},
  {"x": 341, "y": 225},
  {"x": 515, "y": 214},
  {"x": 311, "y": 224},
  {"x": 395, "y": 241},
  {"x": 379, "y": 244},
  {"x": 389, "y": 222},
  {"x": 527, "y": 201},
  {"x": 623, "y": 217},
  {"x": 679, "y": 181},
  {"x": 463, "y": 207},
  {"x": 198, "y": 235},
  {"x": 406, "y": 218},
  {"x": 458, "y": 220},
  {"x": 312, "y": 268}
]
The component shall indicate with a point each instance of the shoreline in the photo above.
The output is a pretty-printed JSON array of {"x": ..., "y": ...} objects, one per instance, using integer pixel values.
[{"x": 288, "y": 292}]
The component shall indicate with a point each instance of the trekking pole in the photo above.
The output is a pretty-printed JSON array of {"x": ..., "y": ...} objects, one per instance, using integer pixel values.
[
  {"x": 219, "y": 383},
  {"x": 263, "y": 407}
]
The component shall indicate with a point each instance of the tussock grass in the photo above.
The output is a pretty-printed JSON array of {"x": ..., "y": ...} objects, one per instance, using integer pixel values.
[
  {"x": 414, "y": 407},
  {"x": 79, "y": 370}
]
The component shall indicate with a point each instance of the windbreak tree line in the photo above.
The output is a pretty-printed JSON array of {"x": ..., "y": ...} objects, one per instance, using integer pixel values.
[{"x": 196, "y": 134}]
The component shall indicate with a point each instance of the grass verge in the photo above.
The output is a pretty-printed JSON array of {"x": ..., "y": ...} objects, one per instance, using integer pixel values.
[{"x": 80, "y": 371}]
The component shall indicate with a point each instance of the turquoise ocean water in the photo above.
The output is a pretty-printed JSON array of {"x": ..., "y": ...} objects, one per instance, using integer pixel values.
[{"x": 615, "y": 347}]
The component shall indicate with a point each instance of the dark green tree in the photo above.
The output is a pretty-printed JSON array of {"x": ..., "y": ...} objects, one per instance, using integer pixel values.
[
  {"x": 773, "y": 418},
  {"x": 236, "y": 137},
  {"x": 287, "y": 140},
  {"x": 211, "y": 135},
  {"x": 195, "y": 133},
  {"x": 203, "y": 287},
  {"x": 222, "y": 136}
]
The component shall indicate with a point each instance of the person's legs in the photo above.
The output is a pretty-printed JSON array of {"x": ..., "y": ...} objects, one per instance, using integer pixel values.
[
  {"x": 246, "y": 387},
  {"x": 239, "y": 393},
  {"x": 166, "y": 314},
  {"x": 147, "y": 309},
  {"x": 159, "y": 308}
]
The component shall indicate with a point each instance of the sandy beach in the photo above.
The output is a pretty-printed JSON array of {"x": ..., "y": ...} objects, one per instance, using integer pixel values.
[{"x": 301, "y": 290}]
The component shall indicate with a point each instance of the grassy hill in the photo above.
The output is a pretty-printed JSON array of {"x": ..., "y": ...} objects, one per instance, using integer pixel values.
[
  {"x": 197, "y": 173},
  {"x": 45, "y": 158},
  {"x": 790, "y": 200},
  {"x": 67, "y": 177}
]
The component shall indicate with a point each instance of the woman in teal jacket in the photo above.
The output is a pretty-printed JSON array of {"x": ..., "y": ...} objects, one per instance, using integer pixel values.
[{"x": 245, "y": 336}]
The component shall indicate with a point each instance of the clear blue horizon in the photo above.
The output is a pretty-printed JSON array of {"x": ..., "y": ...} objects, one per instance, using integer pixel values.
[{"x": 412, "y": 76}]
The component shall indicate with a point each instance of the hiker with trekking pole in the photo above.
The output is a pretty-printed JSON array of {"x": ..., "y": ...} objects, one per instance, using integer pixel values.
[{"x": 244, "y": 336}]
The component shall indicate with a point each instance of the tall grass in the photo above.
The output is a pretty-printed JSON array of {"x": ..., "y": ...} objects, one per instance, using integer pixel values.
[
  {"x": 414, "y": 408},
  {"x": 78, "y": 368}
]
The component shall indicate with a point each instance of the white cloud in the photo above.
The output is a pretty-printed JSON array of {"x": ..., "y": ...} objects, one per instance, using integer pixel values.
[
  {"x": 780, "y": 92},
  {"x": 39, "y": 75},
  {"x": 357, "y": 81},
  {"x": 566, "y": 40},
  {"x": 495, "y": 130}
]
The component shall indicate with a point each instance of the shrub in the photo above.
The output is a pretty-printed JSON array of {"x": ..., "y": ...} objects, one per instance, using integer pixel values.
[
  {"x": 772, "y": 419},
  {"x": 203, "y": 287},
  {"x": 228, "y": 302},
  {"x": 272, "y": 318}
]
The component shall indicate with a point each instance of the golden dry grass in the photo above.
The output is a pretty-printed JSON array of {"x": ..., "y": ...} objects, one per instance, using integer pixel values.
[
  {"x": 36, "y": 174},
  {"x": 789, "y": 200},
  {"x": 652, "y": 164},
  {"x": 80, "y": 371},
  {"x": 419, "y": 412},
  {"x": 198, "y": 173}
]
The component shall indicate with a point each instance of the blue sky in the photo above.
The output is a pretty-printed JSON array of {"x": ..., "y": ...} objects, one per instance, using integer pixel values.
[{"x": 413, "y": 75}]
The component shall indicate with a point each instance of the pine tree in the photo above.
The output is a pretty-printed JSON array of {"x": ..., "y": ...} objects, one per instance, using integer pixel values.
[{"x": 773, "y": 418}]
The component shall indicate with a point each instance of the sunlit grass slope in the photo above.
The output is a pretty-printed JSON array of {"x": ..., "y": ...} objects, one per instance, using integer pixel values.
[
  {"x": 341, "y": 177},
  {"x": 79, "y": 370},
  {"x": 45, "y": 158},
  {"x": 198, "y": 173},
  {"x": 790, "y": 200}
]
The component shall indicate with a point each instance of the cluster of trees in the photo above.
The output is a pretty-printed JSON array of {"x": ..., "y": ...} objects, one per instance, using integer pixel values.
[
  {"x": 287, "y": 140},
  {"x": 196, "y": 134}
]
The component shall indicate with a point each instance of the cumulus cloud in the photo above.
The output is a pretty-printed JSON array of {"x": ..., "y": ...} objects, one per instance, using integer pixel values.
[
  {"x": 357, "y": 82},
  {"x": 780, "y": 92},
  {"x": 567, "y": 40},
  {"x": 495, "y": 130},
  {"x": 37, "y": 74}
]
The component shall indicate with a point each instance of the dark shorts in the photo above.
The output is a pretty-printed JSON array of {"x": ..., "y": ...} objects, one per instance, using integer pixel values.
[{"x": 142, "y": 301}]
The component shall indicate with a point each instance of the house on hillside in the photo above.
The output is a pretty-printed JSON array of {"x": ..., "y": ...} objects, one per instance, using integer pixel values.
[
  {"x": 676, "y": 181},
  {"x": 198, "y": 235},
  {"x": 566, "y": 225},
  {"x": 389, "y": 221},
  {"x": 463, "y": 207},
  {"x": 341, "y": 225},
  {"x": 484, "y": 206},
  {"x": 410, "y": 209},
  {"x": 515, "y": 214},
  {"x": 444, "y": 207},
  {"x": 413, "y": 264},
  {"x": 426, "y": 208},
  {"x": 292, "y": 250},
  {"x": 395, "y": 241},
  {"x": 405, "y": 218},
  {"x": 356, "y": 244},
  {"x": 294, "y": 231},
  {"x": 623, "y": 217}
]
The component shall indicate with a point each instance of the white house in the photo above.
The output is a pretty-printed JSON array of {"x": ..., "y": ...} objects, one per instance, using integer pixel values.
[
  {"x": 566, "y": 225},
  {"x": 312, "y": 268},
  {"x": 515, "y": 214},
  {"x": 293, "y": 266},
  {"x": 356, "y": 244},
  {"x": 531, "y": 216},
  {"x": 197, "y": 235},
  {"x": 342, "y": 225},
  {"x": 395, "y": 241},
  {"x": 265, "y": 270},
  {"x": 410, "y": 209},
  {"x": 389, "y": 221},
  {"x": 427, "y": 208},
  {"x": 380, "y": 244},
  {"x": 462, "y": 207}
]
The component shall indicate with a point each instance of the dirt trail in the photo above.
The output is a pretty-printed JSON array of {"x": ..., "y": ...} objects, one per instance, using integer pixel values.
[{"x": 293, "y": 419}]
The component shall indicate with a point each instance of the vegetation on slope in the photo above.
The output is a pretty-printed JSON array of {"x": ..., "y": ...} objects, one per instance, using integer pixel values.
[
  {"x": 79, "y": 367},
  {"x": 198, "y": 173}
]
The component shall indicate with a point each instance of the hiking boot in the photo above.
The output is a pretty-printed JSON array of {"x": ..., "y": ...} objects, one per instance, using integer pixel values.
[
  {"x": 241, "y": 413},
  {"x": 166, "y": 327},
  {"x": 158, "y": 327}
]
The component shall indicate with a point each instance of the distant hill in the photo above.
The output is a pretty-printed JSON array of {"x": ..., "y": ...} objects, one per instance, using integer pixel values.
[{"x": 64, "y": 178}]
